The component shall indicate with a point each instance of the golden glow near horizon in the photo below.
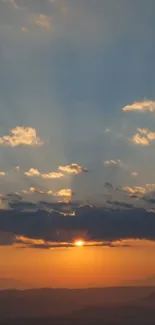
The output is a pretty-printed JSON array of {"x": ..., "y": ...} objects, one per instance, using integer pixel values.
[{"x": 79, "y": 243}]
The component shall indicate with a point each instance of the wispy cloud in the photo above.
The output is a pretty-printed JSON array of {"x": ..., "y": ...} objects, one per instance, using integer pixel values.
[
  {"x": 134, "y": 174},
  {"x": 107, "y": 130},
  {"x": 12, "y": 3},
  {"x": 41, "y": 20},
  {"x": 2, "y": 174},
  {"x": 72, "y": 169},
  {"x": 141, "y": 106},
  {"x": 144, "y": 137},
  {"x": 116, "y": 162},
  {"x": 21, "y": 135}
]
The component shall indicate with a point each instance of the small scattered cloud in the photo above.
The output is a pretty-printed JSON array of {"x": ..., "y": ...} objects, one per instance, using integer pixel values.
[
  {"x": 34, "y": 190},
  {"x": 32, "y": 172},
  {"x": 2, "y": 174},
  {"x": 107, "y": 130},
  {"x": 141, "y": 140},
  {"x": 141, "y": 106},
  {"x": 21, "y": 135},
  {"x": 72, "y": 169},
  {"x": 139, "y": 191},
  {"x": 116, "y": 162},
  {"x": 108, "y": 185},
  {"x": 144, "y": 137},
  {"x": 134, "y": 174},
  {"x": 24, "y": 29},
  {"x": 64, "y": 193},
  {"x": 52, "y": 175}
]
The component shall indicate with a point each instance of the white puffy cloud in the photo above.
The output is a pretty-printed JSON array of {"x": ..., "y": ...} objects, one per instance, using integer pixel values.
[
  {"x": 144, "y": 137},
  {"x": 72, "y": 169},
  {"x": 141, "y": 106},
  {"x": 32, "y": 172},
  {"x": 21, "y": 135}
]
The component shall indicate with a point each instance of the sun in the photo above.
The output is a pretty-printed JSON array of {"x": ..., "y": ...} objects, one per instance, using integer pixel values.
[{"x": 79, "y": 243}]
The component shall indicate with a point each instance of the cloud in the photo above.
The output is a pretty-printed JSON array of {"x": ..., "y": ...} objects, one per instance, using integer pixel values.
[
  {"x": 14, "y": 196},
  {"x": 34, "y": 172},
  {"x": 24, "y": 29},
  {"x": 2, "y": 174},
  {"x": 93, "y": 224},
  {"x": 134, "y": 174},
  {"x": 141, "y": 106},
  {"x": 144, "y": 137},
  {"x": 138, "y": 139},
  {"x": 52, "y": 175},
  {"x": 108, "y": 185},
  {"x": 34, "y": 190},
  {"x": 139, "y": 190},
  {"x": 12, "y": 3},
  {"x": 23, "y": 205},
  {"x": 21, "y": 135},
  {"x": 73, "y": 169},
  {"x": 112, "y": 162},
  {"x": 64, "y": 192},
  {"x": 43, "y": 21},
  {"x": 107, "y": 130},
  {"x": 120, "y": 204},
  {"x": 61, "y": 193}
]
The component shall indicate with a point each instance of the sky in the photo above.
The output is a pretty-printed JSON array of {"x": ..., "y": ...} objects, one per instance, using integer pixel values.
[{"x": 77, "y": 140}]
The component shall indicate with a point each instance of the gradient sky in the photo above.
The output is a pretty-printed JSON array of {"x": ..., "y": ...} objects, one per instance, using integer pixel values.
[{"x": 77, "y": 140}]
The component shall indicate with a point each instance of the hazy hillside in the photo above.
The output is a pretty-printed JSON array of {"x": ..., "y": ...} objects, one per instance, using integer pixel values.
[{"x": 86, "y": 303}]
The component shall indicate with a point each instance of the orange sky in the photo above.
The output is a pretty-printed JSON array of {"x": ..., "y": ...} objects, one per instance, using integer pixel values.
[{"x": 79, "y": 266}]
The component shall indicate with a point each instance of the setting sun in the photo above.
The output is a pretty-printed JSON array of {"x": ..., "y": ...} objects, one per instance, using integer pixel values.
[{"x": 79, "y": 243}]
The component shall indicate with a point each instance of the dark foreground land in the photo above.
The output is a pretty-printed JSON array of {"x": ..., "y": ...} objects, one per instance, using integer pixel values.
[{"x": 109, "y": 306}]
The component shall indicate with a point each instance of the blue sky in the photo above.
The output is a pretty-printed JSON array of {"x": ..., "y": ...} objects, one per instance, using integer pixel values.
[{"x": 68, "y": 68}]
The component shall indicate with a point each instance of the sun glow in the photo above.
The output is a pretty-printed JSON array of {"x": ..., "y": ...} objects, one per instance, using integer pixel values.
[{"x": 79, "y": 243}]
